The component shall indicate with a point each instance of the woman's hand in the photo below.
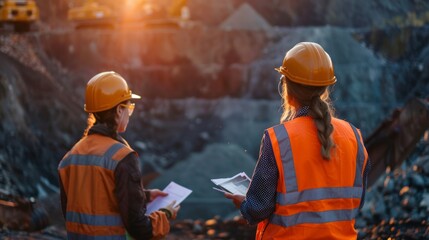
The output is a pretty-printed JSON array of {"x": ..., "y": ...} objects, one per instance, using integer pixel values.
[
  {"x": 173, "y": 209},
  {"x": 236, "y": 199},
  {"x": 154, "y": 193}
]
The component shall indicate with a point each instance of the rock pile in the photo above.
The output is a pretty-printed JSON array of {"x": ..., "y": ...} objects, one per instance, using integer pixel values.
[
  {"x": 50, "y": 233},
  {"x": 214, "y": 228},
  {"x": 397, "y": 206}
]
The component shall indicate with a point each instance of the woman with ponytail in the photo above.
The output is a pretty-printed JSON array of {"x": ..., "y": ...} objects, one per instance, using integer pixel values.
[
  {"x": 102, "y": 196},
  {"x": 310, "y": 179}
]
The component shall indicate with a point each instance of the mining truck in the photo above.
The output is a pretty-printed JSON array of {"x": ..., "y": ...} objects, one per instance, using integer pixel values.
[
  {"x": 18, "y": 14},
  {"x": 92, "y": 14},
  {"x": 158, "y": 14}
]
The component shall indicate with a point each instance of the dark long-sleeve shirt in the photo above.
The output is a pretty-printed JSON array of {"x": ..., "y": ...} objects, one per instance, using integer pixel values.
[
  {"x": 131, "y": 198},
  {"x": 260, "y": 199}
]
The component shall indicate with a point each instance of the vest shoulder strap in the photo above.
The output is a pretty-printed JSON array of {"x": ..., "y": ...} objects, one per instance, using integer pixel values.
[{"x": 101, "y": 145}]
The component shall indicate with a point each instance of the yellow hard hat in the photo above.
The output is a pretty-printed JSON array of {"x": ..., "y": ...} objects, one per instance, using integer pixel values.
[
  {"x": 106, "y": 90},
  {"x": 308, "y": 64}
]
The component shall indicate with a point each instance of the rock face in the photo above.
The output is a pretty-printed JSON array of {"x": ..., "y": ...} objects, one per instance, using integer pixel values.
[
  {"x": 343, "y": 13},
  {"x": 237, "y": 64},
  {"x": 37, "y": 122},
  {"x": 162, "y": 63}
]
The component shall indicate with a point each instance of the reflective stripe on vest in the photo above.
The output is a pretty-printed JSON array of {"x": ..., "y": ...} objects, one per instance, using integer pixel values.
[
  {"x": 314, "y": 217},
  {"x": 95, "y": 220},
  {"x": 293, "y": 196},
  {"x": 360, "y": 158},
  {"x": 287, "y": 158},
  {"x": 318, "y": 194},
  {"x": 104, "y": 161}
]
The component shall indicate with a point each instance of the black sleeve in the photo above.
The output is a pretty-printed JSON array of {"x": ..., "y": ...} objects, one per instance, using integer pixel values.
[
  {"x": 365, "y": 181},
  {"x": 63, "y": 199},
  {"x": 131, "y": 198}
]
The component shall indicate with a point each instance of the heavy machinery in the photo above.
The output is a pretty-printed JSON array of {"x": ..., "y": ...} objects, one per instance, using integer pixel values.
[
  {"x": 393, "y": 141},
  {"x": 146, "y": 13},
  {"x": 92, "y": 14},
  {"x": 20, "y": 14},
  {"x": 156, "y": 14}
]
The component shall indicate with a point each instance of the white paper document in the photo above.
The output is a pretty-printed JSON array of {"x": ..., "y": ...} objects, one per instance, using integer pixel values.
[
  {"x": 235, "y": 185},
  {"x": 175, "y": 192}
]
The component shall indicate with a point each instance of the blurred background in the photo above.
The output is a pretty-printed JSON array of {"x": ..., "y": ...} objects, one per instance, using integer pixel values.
[{"x": 205, "y": 70}]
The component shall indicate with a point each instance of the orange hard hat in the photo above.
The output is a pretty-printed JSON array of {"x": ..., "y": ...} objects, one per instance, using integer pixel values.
[
  {"x": 106, "y": 90},
  {"x": 308, "y": 64}
]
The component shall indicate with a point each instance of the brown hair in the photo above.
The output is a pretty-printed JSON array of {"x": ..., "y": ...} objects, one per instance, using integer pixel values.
[
  {"x": 320, "y": 109},
  {"x": 107, "y": 117},
  {"x": 90, "y": 122}
]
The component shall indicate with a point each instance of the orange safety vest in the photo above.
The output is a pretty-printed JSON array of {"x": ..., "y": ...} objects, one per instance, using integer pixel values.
[
  {"x": 316, "y": 198},
  {"x": 87, "y": 176}
]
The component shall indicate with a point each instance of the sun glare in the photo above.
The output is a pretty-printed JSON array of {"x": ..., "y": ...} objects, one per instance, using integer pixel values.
[{"x": 130, "y": 3}]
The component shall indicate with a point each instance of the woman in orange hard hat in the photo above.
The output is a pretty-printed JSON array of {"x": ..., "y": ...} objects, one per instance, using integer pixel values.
[
  {"x": 310, "y": 179},
  {"x": 102, "y": 196}
]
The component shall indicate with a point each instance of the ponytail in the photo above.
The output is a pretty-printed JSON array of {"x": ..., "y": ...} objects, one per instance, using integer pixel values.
[
  {"x": 90, "y": 122},
  {"x": 320, "y": 109},
  {"x": 320, "y": 112}
]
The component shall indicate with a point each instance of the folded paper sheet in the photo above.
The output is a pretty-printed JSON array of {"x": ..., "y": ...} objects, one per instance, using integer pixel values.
[
  {"x": 175, "y": 192},
  {"x": 235, "y": 185}
]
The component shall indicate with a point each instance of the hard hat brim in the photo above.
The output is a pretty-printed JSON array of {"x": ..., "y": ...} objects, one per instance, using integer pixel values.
[{"x": 303, "y": 81}]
